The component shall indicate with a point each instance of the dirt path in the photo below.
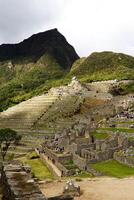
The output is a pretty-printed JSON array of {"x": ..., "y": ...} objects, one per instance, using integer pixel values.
[{"x": 96, "y": 189}]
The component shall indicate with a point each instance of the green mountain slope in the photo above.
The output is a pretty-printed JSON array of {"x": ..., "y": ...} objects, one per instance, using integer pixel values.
[
  {"x": 33, "y": 63},
  {"x": 46, "y": 60},
  {"x": 104, "y": 66}
]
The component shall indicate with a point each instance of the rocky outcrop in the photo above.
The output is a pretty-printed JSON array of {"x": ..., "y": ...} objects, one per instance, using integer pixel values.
[
  {"x": 51, "y": 42},
  {"x": 18, "y": 184},
  {"x": 72, "y": 189}
]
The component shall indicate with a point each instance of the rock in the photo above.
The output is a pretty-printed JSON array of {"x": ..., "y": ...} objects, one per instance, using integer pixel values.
[
  {"x": 18, "y": 184},
  {"x": 34, "y": 47},
  {"x": 71, "y": 189}
]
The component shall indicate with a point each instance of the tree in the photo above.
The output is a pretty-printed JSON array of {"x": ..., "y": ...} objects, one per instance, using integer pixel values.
[{"x": 8, "y": 137}]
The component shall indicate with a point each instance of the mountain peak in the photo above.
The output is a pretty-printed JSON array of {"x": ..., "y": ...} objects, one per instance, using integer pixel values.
[{"x": 51, "y": 41}]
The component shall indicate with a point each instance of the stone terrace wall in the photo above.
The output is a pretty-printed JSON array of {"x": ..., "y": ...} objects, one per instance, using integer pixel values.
[
  {"x": 80, "y": 162},
  {"x": 60, "y": 166},
  {"x": 124, "y": 160},
  {"x": 61, "y": 198},
  {"x": 83, "y": 165},
  {"x": 64, "y": 171},
  {"x": 18, "y": 185}
]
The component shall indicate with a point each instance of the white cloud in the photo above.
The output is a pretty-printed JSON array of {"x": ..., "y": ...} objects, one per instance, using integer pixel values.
[
  {"x": 21, "y": 18},
  {"x": 89, "y": 25},
  {"x": 97, "y": 25}
]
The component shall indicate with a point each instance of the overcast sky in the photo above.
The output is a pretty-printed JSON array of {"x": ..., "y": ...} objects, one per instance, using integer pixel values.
[{"x": 89, "y": 25}]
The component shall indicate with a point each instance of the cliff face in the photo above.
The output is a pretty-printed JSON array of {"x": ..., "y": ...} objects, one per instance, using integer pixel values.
[{"x": 50, "y": 42}]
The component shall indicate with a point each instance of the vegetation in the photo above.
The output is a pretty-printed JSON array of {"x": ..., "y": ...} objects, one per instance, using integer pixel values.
[
  {"x": 113, "y": 168},
  {"x": 99, "y": 136},
  {"x": 131, "y": 139},
  {"x": 39, "y": 170},
  {"x": 125, "y": 130},
  {"x": 40, "y": 61},
  {"x": 84, "y": 174},
  {"x": 7, "y": 137},
  {"x": 123, "y": 89},
  {"x": 125, "y": 122},
  {"x": 39, "y": 78},
  {"x": 104, "y": 66},
  {"x": 70, "y": 165},
  {"x": 26, "y": 78}
]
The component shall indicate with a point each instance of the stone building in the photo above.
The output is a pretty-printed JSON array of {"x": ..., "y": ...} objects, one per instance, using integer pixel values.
[{"x": 81, "y": 148}]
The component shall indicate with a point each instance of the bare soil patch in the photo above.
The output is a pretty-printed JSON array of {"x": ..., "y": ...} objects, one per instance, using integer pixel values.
[{"x": 96, "y": 189}]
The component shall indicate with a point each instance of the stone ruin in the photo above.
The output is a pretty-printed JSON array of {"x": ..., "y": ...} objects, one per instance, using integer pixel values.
[
  {"x": 17, "y": 184},
  {"x": 125, "y": 156},
  {"x": 82, "y": 149},
  {"x": 71, "y": 189}
]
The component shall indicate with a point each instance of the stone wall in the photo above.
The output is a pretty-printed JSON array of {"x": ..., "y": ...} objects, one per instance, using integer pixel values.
[
  {"x": 104, "y": 155},
  {"x": 104, "y": 111},
  {"x": 57, "y": 163},
  {"x": 96, "y": 156},
  {"x": 46, "y": 163},
  {"x": 62, "y": 197},
  {"x": 80, "y": 162},
  {"x": 131, "y": 143},
  {"x": 64, "y": 170},
  {"x": 57, "y": 157},
  {"x": 83, "y": 165},
  {"x": 18, "y": 184},
  {"x": 93, "y": 171},
  {"x": 124, "y": 160}
]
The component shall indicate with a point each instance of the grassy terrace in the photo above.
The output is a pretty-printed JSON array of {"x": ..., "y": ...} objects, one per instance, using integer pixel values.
[
  {"x": 39, "y": 170},
  {"x": 84, "y": 174},
  {"x": 70, "y": 165},
  {"x": 125, "y": 130},
  {"x": 113, "y": 168},
  {"x": 81, "y": 174},
  {"x": 99, "y": 136},
  {"x": 129, "y": 122}
]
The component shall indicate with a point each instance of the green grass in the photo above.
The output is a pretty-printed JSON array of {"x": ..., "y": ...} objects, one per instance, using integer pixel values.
[
  {"x": 125, "y": 130},
  {"x": 99, "y": 136},
  {"x": 130, "y": 139},
  {"x": 38, "y": 168},
  {"x": 104, "y": 66},
  {"x": 84, "y": 174},
  {"x": 129, "y": 122},
  {"x": 123, "y": 89},
  {"x": 37, "y": 78},
  {"x": 113, "y": 168},
  {"x": 70, "y": 165}
]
